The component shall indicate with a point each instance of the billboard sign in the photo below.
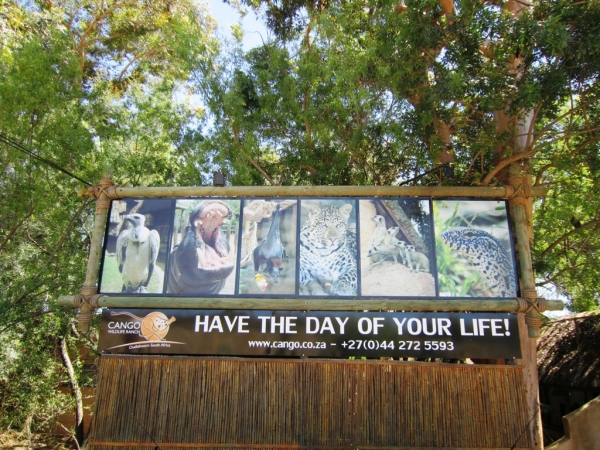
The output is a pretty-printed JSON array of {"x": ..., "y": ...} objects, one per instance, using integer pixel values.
[
  {"x": 324, "y": 334},
  {"x": 385, "y": 247}
]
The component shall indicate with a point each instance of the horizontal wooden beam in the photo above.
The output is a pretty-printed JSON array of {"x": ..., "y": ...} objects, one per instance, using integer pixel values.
[
  {"x": 102, "y": 444},
  {"x": 321, "y": 191},
  {"x": 295, "y": 304}
]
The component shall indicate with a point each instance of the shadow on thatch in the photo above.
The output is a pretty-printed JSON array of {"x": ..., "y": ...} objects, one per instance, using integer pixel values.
[
  {"x": 568, "y": 368},
  {"x": 569, "y": 351}
]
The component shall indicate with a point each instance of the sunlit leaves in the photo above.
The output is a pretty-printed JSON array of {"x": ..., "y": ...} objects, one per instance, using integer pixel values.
[
  {"x": 88, "y": 85},
  {"x": 375, "y": 92}
]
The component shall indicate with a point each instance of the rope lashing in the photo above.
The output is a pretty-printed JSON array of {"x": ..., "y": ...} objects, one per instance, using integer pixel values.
[
  {"x": 105, "y": 186},
  {"x": 534, "y": 322},
  {"x": 84, "y": 318},
  {"x": 530, "y": 300},
  {"x": 89, "y": 296},
  {"x": 518, "y": 191}
]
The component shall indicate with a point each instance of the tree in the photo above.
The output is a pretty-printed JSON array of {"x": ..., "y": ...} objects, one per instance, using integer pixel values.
[
  {"x": 344, "y": 93},
  {"x": 376, "y": 93},
  {"x": 83, "y": 85}
]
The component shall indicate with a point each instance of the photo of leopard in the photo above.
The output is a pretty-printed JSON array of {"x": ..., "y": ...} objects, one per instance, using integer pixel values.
[{"x": 328, "y": 248}]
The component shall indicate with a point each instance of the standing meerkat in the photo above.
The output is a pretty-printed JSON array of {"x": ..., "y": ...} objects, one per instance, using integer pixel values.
[
  {"x": 386, "y": 249},
  {"x": 380, "y": 232},
  {"x": 401, "y": 246},
  {"x": 379, "y": 235},
  {"x": 390, "y": 237},
  {"x": 418, "y": 259}
]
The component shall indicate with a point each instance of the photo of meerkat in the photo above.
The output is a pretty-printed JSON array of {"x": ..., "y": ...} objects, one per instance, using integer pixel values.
[{"x": 396, "y": 248}]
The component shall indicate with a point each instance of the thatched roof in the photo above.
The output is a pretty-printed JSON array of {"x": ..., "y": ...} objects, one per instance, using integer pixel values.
[{"x": 569, "y": 351}]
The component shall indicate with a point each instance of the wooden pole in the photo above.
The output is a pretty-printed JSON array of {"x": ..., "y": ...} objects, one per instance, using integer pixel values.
[
  {"x": 521, "y": 210},
  {"x": 87, "y": 300},
  {"x": 320, "y": 191}
]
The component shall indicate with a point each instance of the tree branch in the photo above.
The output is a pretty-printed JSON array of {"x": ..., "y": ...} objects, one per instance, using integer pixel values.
[
  {"x": 56, "y": 250},
  {"x": 541, "y": 172},
  {"x": 66, "y": 359},
  {"x": 13, "y": 230},
  {"x": 245, "y": 155},
  {"x": 565, "y": 236},
  {"x": 506, "y": 162},
  {"x": 532, "y": 151},
  {"x": 560, "y": 272}
]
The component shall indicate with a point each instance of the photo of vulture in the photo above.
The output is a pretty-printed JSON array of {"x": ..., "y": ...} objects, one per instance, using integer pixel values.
[
  {"x": 137, "y": 251},
  {"x": 135, "y": 247}
]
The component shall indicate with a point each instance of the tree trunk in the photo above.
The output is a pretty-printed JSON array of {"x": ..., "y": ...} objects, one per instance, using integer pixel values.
[
  {"x": 66, "y": 359},
  {"x": 404, "y": 223}
]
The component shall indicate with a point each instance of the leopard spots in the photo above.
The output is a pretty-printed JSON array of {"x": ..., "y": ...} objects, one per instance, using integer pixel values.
[{"x": 328, "y": 252}]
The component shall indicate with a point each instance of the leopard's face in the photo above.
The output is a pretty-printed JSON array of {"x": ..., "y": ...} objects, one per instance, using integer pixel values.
[
  {"x": 327, "y": 226},
  {"x": 328, "y": 250}
]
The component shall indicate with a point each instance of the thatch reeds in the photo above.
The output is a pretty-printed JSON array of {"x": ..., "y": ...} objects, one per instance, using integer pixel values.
[
  {"x": 569, "y": 351},
  {"x": 178, "y": 402}
]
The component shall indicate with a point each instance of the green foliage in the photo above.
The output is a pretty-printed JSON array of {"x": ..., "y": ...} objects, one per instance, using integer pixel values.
[
  {"x": 567, "y": 245},
  {"x": 149, "y": 137},
  {"x": 86, "y": 85},
  {"x": 363, "y": 93},
  {"x": 376, "y": 93},
  {"x": 28, "y": 377}
]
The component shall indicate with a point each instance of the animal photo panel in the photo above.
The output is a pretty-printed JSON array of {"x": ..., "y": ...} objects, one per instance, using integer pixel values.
[
  {"x": 328, "y": 247},
  {"x": 474, "y": 249},
  {"x": 396, "y": 248},
  {"x": 278, "y": 247},
  {"x": 268, "y": 248},
  {"x": 136, "y": 246},
  {"x": 204, "y": 247}
]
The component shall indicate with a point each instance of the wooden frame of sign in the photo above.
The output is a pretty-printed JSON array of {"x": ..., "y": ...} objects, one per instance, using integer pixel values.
[{"x": 519, "y": 194}]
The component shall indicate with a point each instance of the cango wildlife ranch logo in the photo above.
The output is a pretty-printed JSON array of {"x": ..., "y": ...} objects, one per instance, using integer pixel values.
[{"x": 154, "y": 328}]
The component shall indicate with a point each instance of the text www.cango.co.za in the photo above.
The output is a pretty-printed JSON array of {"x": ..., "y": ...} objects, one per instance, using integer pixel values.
[{"x": 287, "y": 344}]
